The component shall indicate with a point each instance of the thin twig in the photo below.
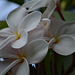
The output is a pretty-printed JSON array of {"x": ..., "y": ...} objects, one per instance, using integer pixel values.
[{"x": 58, "y": 10}]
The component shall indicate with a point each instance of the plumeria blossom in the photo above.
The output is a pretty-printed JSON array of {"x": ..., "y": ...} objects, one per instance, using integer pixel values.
[
  {"x": 20, "y": 23},
  {"x": 63, "y": 37},
  {"x": 45, "y": 21},
  {"x": 18, "y": 60}
]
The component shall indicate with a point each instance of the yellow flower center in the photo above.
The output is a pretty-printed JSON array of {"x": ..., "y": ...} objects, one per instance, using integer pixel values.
[
  {"x": 44, "y": 23},
  {"x": 18, "y": 36},
  {"x": 22, "y": 57},
  {"x": 56, "y": 39}
]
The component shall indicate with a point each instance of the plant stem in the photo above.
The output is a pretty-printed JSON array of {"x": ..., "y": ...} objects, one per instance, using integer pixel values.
[{"x": 58, "y": 10}]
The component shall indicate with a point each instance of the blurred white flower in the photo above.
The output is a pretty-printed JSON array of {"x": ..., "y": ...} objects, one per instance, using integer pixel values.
[
  {"x": 18, "y": 60},
  {"x": 5, "y": 8}
]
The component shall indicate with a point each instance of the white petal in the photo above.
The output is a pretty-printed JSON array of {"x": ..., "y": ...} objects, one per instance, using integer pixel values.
[
  {"x": 65, "y": 46},
  {"x": 2, "y": 39},
  {"x": 5, "y": 32},
  {"x": 9, "y": 52},
  {"x": 46, "y": 24},
  {"x": 29, "y": 3},
  {"x": 47, "y": 38},
  {"x": 67, "y": 28},
  {"x": 51, "y": 42},
  {"x": 22, "y": 41},
  {"x": 35, "y": 51},
  {"x": 7, "y": 41},
  {"x": 55, "y": 26},
  {"x": 55, "y": 0},
  {"x": 36, "y": 33},
  {"x": 15, "y": 17},
  {"x": 31, "y": 21},
  {"x": 38, "y": 4},
  {"x": 48, "y": 12},
  {"x": 6, "y": 65},
  {"x": 21, "y": 68}
]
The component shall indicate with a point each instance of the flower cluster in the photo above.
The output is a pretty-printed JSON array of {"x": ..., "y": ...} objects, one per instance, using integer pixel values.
[{"x": 30, "y": 34}]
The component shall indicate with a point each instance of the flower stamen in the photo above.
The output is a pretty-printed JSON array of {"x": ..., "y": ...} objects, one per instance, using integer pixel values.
[
  {"x": 18, "y": 36},
  {"x": 56, "y": 40}
]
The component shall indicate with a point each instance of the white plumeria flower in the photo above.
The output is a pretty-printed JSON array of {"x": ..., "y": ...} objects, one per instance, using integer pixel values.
[
  {"x": 45, "y": 21},
  {"x": 63, "y": 37},
  {"x": 19, "y": 23},
  {"x": 18, "y": 60}
]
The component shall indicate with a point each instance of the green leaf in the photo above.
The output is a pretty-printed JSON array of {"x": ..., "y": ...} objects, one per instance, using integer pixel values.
[
  {"x": 17, "y": 1},
  {"x": 66, "y": 61},
  {"x": 48, "y": 59},
  {"x": 69, "y": 16},
  {"x": 3, "y": 24}
]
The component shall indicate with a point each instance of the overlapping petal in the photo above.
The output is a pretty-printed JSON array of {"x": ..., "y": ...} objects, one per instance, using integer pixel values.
[
  {"x": 30, "y": 21},
  {"x": 2, "y": 39},
  {"x": 59, "y": 27},
  {"x": 67, "y": 28},
  {"x": 7, "y": 41},
  {"x": 36, "y": 33},
  {"x": 55, "y": 26},
  {"x": 6, "y": 65},
  {"x": 15, "y": 17},
  {"x": 35, "y": 51},
  {"x": 49, "y": 10},
  {"x": 46, "y": 24},
  {"x": 21, "y": 41},
  {"x": 65, "y": 46},
  {"x": 29, "y": 3},
  {"x": 5, "y": 32},
  {"x": 21, "y": 69},
  {"x": 35, "y": 4},
  {"x": 9, "y": 52}
]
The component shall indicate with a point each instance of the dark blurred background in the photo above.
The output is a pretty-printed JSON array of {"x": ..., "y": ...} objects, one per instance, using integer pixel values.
[
  {"x": 64, "y": 4},
  {"x": 8, "y": 5},
  {"x": 67, "y": 5}
]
